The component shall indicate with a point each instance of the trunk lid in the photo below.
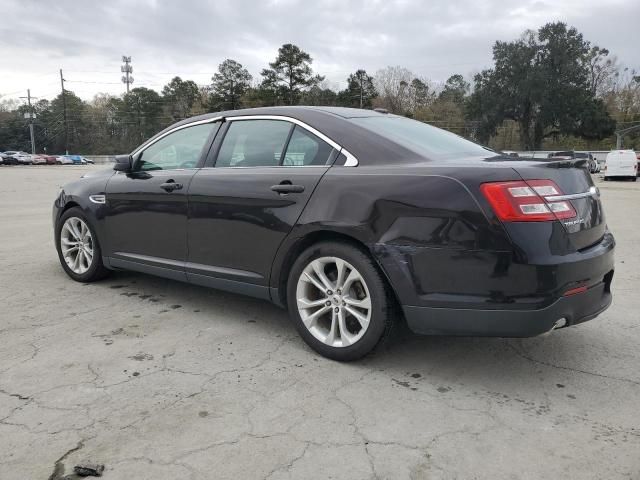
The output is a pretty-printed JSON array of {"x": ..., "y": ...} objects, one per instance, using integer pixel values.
[{"x": 572, "y": 176}]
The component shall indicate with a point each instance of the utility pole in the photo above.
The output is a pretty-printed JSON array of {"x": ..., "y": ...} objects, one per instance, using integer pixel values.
[
  {"x": 31, "y": 116},
  {"x": 64, "y": 113},
  {"x": 127, "y": 69},
  {"x": 361, "y": 80}
]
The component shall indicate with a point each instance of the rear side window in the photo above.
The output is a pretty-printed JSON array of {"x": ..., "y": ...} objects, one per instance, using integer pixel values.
[
  {"x": 306, "y": 149},
  {"x": 425, "y": 140},
  {"x": 253, "y": 143}
]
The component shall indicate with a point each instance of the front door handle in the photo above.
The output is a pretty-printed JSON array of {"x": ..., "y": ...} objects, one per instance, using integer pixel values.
[
  {"x": 170, "y": 186},
  {"x": 286, "y": 187}
]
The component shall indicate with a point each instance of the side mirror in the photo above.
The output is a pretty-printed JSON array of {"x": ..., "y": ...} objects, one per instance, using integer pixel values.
[{"x": 124, "y": 163}]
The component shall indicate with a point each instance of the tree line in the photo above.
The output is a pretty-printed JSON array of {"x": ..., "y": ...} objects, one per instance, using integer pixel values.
[{"x": 548, "y": 88}]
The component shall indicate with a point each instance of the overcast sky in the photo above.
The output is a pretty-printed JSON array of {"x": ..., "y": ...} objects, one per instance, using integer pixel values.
[{"x": 434, "y": 39}]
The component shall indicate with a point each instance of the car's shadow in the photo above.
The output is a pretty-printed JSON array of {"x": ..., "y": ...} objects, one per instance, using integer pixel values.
[{"x": 477, "y": 360}]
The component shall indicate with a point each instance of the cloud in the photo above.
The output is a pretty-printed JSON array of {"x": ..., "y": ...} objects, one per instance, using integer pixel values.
[{"x": 190, "y": 38}]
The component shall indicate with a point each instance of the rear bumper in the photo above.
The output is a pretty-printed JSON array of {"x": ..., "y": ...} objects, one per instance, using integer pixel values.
[
  {"x": 510, "y": 323},
  {"x": 480, "y": 293}
]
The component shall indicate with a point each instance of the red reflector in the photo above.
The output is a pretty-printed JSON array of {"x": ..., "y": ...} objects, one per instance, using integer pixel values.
[
  {"x": 524, "y": 201},
  {"x": 574, "y": 291}
]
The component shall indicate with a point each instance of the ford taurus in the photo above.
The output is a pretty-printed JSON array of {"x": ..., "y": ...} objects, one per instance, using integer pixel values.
[{"x": 352, "y": 220}]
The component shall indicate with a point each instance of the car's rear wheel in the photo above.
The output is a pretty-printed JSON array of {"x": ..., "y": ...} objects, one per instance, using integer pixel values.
[
  {"x": 339, "y": 301},
  {"x": 78, "y": 248}
]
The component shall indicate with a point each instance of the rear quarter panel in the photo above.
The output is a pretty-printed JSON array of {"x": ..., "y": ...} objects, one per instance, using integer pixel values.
[{"x": 420, "y": 223}]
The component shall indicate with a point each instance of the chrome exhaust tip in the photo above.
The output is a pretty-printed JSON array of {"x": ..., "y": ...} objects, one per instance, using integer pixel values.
[{"x": 561, "y": 322}]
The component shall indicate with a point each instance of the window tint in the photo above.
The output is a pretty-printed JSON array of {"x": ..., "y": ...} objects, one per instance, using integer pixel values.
[
  {"x": 180, "y": 149},
  {"x": 253, "y": 143},
  {"x": 423, "y": 139},
  {"x": 306, "y": 149}
]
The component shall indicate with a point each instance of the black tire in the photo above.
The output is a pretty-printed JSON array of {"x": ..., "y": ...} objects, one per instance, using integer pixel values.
[
  {"x": 383, "y": 305},
  {"x": 97, "y": 270}
]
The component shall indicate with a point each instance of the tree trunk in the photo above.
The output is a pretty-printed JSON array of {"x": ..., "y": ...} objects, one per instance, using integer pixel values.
[
  {"x": 290, "y": 86},
  {"x": 538, "y": 136},
  {"x": 525, "y": 134}
]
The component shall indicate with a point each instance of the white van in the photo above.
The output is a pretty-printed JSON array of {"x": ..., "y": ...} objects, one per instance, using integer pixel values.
[{"x": 621, "y": 163}]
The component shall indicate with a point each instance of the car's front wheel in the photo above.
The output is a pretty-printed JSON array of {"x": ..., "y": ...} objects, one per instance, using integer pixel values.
[
  {"x": 78, "y": 248},
  {"x": 339, "y": 301}
]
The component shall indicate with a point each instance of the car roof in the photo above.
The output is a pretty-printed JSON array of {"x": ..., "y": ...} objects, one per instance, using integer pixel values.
[{"x": 300, "y": 111}]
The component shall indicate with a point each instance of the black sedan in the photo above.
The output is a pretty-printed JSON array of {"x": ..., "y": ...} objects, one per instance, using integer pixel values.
[
  {"x": 6, "y": 159},
  {"x": 350, "y": 219}
]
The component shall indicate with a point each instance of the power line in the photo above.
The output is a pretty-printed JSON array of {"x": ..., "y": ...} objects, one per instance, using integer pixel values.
[{"x": 99, "y": 83}]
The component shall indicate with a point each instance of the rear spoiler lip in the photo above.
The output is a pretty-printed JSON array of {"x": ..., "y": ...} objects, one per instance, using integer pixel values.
[{"x": 564, "y": 162}]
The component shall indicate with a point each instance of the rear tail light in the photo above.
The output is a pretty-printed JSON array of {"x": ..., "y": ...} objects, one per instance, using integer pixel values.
[{"x": 524, "y": 201}]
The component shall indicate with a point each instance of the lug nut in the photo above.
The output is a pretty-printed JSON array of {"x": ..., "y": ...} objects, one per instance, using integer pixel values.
[
  {"x": 328, "y": 303},
  {"x": 337, "y": 309},
  {"x": 339, "y": 292},
  {"x": 329, "y": 292}
]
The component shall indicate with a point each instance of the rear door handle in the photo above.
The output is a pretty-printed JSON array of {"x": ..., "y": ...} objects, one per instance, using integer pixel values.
[
  {"x": 284, "y": 188},
  {"x": 170, "y": 186}
]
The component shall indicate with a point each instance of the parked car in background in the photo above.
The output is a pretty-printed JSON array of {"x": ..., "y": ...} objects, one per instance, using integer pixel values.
[
  {"x": 80, "y": 159},
  {"x": 565, "y": 155},
  {"x": 23, "y": 158},
  {"x": 594, "y": 167},
  {"x": 347, "y": 218},
  {"x": 64, "y": 160},
  {"x": 51, "y": 159},
  {"x": 621, "y": 164},
  {"x": 511, "y": 153},
  {"x": 638, "y": 168},
  {"x": 38, "y": 160},
  {"x": 77, "y": 159},
  {"x": 8, "y": 159}
]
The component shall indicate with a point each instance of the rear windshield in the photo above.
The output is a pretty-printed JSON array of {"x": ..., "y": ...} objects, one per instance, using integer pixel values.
[{"x": 422, "y": 138}]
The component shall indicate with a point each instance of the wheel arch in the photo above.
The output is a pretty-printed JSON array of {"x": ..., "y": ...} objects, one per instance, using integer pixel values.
[
  {"x": 279, "y": 293},
  {"x": 69, "y": 205}
]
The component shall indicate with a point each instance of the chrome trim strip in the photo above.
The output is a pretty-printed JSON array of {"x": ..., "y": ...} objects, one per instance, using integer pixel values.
[
  {"x": 592, "y": 192},
  {"x": 99, "y": 199},
  {"x": 144, "y": 146},
  {"x": 268, "y": 166},
  {"x": 352, "y": 161}
]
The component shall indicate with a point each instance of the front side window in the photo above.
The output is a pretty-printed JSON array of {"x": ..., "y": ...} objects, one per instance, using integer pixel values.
[
  {"x": 180, "y": 149},
  {"x": 253, "y": 143},
  {"x": 306, "y": 149}
]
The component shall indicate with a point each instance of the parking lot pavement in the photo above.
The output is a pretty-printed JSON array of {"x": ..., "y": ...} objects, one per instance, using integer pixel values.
[{"x": 162, "y": 380}]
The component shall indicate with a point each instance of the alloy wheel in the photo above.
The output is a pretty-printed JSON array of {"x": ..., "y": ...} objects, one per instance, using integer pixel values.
[
  {"x": 76, "y": 245},
  {"x": 333, "y": 301}
]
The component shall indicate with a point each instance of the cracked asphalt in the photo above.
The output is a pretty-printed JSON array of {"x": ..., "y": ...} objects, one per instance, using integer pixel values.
[{"x": 162, "y": 380}]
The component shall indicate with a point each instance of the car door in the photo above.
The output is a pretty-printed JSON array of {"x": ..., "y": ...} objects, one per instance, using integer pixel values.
[
  {"x": 242, "y": 208},
  {"x": 146, "y": 209}
]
